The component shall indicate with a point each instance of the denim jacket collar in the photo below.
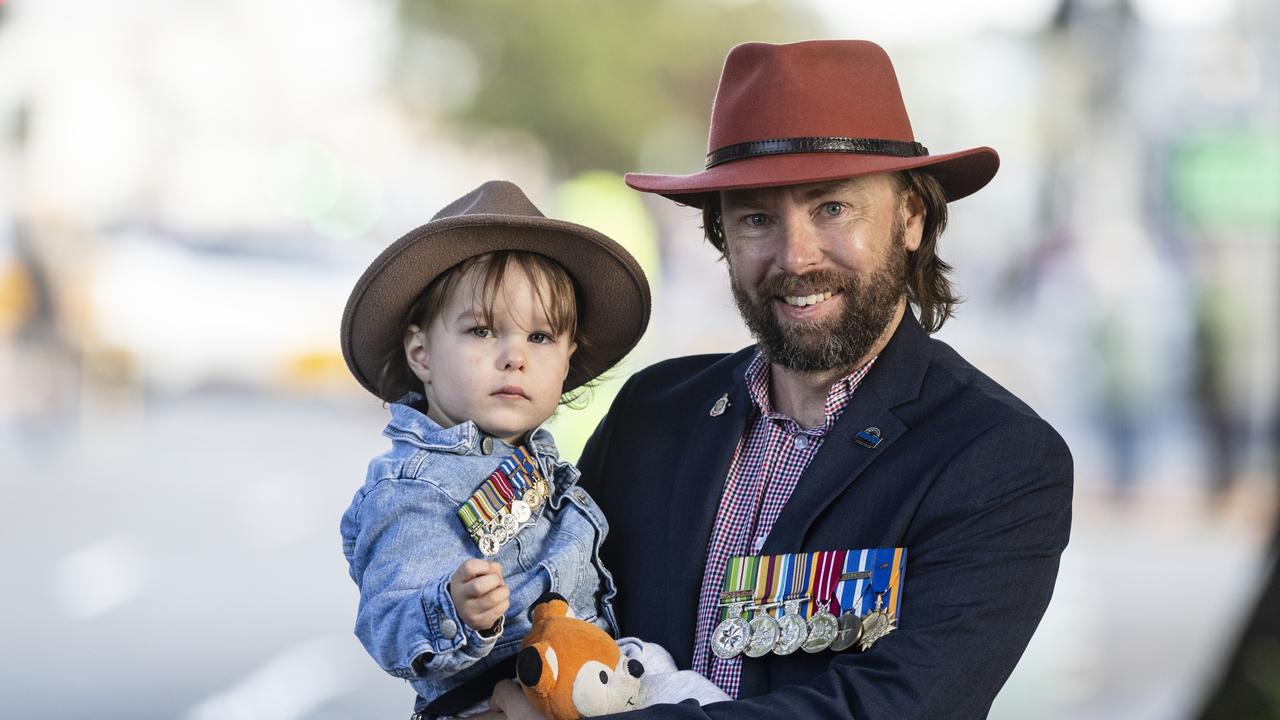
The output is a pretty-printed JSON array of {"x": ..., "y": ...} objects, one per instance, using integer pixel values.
[{"x": 410, "y": 424}]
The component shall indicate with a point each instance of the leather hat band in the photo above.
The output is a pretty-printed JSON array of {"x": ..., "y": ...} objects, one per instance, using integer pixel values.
[{"x": 789, "y": 146}]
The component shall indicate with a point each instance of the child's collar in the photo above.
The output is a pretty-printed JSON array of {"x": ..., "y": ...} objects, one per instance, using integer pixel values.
[{"x": 410, "y": 423}]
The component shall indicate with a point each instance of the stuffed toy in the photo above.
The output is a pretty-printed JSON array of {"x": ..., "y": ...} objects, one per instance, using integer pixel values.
[{"x": 570, "y": 668}]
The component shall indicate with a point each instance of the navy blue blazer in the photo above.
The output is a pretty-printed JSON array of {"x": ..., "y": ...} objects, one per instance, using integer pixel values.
[{"x": 969, "y": 479}]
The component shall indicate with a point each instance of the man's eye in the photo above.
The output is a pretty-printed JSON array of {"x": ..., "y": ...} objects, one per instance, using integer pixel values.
[
  {"x": 481, "y": 332},
  {"x": 540, "y": 338},
  {"x": 756, "y": 219},
  {"x": 833, "y": 208}
]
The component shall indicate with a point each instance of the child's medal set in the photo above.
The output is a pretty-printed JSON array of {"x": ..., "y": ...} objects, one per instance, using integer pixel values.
[
  {"x": 505, "y": 502},
  {"x": 783, "y": 603}
]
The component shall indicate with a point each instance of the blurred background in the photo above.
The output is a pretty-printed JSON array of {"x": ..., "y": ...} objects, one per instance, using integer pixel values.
[{"x": 188, "y": 191}]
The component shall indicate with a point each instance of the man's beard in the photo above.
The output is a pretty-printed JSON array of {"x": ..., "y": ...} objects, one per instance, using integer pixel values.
[{"x": 837, "y": 342}]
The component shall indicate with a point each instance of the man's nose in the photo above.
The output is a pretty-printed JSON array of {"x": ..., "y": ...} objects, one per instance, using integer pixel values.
[{"x": 799, "y": 247}]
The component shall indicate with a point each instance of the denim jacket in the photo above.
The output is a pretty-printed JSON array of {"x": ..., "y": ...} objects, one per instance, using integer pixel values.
[{"x": 403, "y": 540}]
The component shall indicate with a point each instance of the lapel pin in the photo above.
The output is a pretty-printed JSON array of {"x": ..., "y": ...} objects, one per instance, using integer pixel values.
[
  {"x": 868, "y": 438},
  {"x": 718, "y": 409}
]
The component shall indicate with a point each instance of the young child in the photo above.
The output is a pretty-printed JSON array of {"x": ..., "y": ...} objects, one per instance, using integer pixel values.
[{"x": 474, "y": 327}]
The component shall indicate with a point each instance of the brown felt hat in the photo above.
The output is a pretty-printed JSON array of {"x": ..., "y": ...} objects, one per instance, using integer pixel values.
[
  {"x": 613, "y": 293},
  {"x": 810, "y": 112}
]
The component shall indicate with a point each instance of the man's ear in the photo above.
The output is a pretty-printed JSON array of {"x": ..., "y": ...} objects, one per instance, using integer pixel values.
[
  {"x": 417, "y": 353},
  {"x": 911, "y": 213}
]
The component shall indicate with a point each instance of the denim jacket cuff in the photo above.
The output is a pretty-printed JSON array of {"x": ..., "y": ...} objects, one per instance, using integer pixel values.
[
  {"x": 445, "y": 630},
  {"x": 479, "y": 645}
]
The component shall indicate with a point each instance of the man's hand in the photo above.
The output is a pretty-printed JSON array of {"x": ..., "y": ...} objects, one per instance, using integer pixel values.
[
  {"x": 510, "y": 700},
  {"x": 479, "y": 593}
]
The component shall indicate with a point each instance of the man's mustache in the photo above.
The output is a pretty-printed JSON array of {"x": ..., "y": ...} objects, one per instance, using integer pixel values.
[{"x": 807, "y": 284}]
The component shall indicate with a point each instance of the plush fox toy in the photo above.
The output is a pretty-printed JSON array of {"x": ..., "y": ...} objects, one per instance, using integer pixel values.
[{"x": 570, "y": 668}]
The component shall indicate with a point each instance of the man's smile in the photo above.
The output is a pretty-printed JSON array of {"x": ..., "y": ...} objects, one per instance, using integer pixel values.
[{"x": 803, "y": 300}]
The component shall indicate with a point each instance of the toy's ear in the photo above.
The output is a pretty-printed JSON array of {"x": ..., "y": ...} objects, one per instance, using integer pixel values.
[
  {"x": 549, "y": 604},
  {"x": 537, "y": 668}
]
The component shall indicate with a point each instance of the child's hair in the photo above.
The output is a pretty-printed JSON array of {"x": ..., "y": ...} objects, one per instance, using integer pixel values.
[{"x": 552, "y": 285}]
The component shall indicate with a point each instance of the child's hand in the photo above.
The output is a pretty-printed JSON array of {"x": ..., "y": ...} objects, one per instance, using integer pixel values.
[{"x": 479, "y": 594}]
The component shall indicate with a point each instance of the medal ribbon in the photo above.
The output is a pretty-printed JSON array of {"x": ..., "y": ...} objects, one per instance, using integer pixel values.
[
  {"x": 826, "y": 572},
  {"x": 739, "y": 583},
  {"x": 496, "y": 494}
]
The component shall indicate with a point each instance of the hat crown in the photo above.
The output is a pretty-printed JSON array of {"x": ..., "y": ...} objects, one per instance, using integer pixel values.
[
  {"x": 817, "y": 88},
  {"x": 495, "y": 197}
]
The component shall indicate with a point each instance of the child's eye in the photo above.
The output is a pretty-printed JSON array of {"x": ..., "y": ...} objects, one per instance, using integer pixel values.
[
  {"x": 540, "y": 338},
  {"x": 756, "y": 220},
  {"x": 481, "y": 332}
]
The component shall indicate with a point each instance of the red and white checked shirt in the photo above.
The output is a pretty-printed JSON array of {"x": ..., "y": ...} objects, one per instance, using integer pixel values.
[{"x": 770, "y": 457}]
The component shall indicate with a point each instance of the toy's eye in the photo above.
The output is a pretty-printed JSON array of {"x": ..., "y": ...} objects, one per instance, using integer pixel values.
[{"x": 604, "y": 677}]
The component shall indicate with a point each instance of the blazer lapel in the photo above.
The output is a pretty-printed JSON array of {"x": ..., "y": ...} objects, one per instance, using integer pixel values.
[{"x": 696, "y": 489}]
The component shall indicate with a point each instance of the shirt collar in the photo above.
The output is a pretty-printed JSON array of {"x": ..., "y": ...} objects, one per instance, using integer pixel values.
[
  {"x": 757, "y": 380},
  {"x": 409, "y": 422}
]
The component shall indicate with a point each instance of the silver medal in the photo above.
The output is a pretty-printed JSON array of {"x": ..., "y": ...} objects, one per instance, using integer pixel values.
[
  {"x": 730, "y": 637},
  {"x": 792, "y": 630},
  {"x": 849, "y": 631},
  {"x": 488, "y": 544},
  {"x": 509, "y": 526},
  {"x": 520, "y": 511},
  {"x": 823, "y": 628},
  {"x": 764, "y": 635}
]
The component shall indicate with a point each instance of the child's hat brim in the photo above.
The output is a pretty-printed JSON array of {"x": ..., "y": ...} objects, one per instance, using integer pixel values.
[{"x": 613, "y": 293}]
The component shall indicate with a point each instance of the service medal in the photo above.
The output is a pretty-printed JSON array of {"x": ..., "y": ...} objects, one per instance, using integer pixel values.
[
  {"x": 488, "y": 544},
  {"x": 792, "y": 631},
  {"x": 730, "y": 637},
  {"x": 764, "y": 635},
  {"x": 520, "y": 511},
  {"x": 848, "y": 632},
  {"x": 533, "y": 498},
  {"x": 875, "y": 626},
  {"x": 823, "y": 629},
  {"x": 543, "y": 487},
  {"x": 510, "y": 525}
]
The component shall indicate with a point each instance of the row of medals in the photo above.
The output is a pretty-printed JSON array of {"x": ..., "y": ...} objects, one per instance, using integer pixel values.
[
  {"x": 764, "y": 634},
  {"x": 509, "y": 520}
]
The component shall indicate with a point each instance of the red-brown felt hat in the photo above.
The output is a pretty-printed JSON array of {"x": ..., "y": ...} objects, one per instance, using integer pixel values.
[
  {"x": 809, "y": 112},
  {"x": 613, "y": 293}
]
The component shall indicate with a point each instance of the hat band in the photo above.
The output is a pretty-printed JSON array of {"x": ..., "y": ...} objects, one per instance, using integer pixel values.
[{"x": 788, "y": 146}]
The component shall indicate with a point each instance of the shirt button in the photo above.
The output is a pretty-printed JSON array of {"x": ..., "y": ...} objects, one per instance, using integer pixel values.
[
  {"x": 801, "y": 442},
  {"x": 582, "y": 497},
  {"x": 448, "y": 628},
  {"x": 486, "y": 445}
]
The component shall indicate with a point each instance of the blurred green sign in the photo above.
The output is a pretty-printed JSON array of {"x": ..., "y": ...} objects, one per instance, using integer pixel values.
[{"x": 1228, "y": 180}]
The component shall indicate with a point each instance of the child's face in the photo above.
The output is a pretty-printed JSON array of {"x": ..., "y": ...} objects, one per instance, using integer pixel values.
[{"x": 507, "y": 378}]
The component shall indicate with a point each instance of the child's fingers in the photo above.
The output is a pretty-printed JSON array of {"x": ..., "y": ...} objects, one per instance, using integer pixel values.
[
  {"x": 475, "y": 567},
  {"x": 481, "y": 585}
]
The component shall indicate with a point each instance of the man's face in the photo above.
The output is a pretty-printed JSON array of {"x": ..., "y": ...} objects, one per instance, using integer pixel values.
[{"x": 819, "y": 271}]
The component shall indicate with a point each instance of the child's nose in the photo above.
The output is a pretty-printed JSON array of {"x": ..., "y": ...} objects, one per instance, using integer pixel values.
[{"x": 513, "y": 358}]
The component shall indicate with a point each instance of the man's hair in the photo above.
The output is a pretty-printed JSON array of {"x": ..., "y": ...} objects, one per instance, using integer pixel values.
[
  {"x": 928, "y": 287},
  {"x": 552, "y": 285}
]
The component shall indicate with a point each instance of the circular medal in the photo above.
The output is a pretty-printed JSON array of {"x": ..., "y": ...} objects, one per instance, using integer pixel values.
[
  {"x": 520, "y": 511},
  {"x": 730, "y": 637},
  {"x": 532, "y": 498},
  {"x": 488, "y": 544},
  {"x": 764, "y": 635},
  {"x": 792, "y": 631},
  {"x": 509, "y": 526},
  {"x": 823, "y": 628},
  {"x": 543, "y": 487},
  {"x": 849, "y": 631}
]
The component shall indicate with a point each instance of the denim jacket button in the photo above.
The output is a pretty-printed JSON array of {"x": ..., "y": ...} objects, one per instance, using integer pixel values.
[
  {"x": 448, "y": 628},
  {"x": 486, "y": 445},
  {"x": 582, "y": 497}
]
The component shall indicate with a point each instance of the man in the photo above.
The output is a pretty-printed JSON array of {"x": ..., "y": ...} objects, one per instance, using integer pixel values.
[{"x": 846, "y": 426}]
